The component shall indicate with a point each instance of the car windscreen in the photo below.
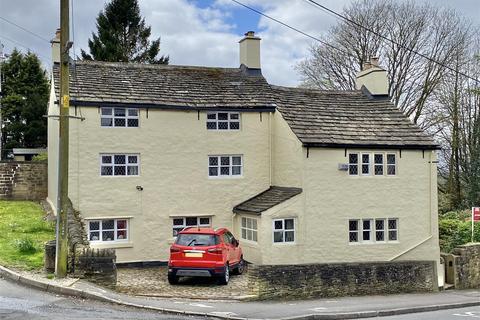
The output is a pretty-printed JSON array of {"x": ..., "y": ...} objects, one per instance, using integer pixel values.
[{"x": 196, "y": 239}]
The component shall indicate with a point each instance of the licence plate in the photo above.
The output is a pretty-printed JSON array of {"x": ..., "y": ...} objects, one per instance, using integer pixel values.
[{"x": 193, "y": 254}]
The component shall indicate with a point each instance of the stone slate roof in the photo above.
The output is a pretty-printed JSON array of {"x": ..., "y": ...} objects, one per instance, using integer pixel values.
[
  {"x": 266, "y": 200},
  {"x": 324, "y": 118},
  {"x": 165, "y": 85}
]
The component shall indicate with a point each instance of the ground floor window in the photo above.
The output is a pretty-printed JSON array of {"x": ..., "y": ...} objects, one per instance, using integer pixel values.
[
  {"x": 372, "y": 230},
  {"x": 284, "y": 230},
  {"x": 249, "y": 229},
  {"x": 108, "y": 230},
  {"x": 180, "y": 223}
]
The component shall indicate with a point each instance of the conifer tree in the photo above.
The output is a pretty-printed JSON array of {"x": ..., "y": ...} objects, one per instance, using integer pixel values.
[{"x": 122, "y": 36}]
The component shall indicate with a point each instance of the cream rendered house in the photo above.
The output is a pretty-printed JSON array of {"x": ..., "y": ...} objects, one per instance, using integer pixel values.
[{"x": 298, "y": 175}]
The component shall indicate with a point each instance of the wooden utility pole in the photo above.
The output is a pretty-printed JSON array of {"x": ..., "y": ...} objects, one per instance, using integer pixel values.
[{"x": 62, "y": 197}]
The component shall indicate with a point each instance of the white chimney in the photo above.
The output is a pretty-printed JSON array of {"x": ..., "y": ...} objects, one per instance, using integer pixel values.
[
  {"x": 373, "y": 78},
  {"x": 250, "y": 51},
  {"x": 56, "y": 47}
]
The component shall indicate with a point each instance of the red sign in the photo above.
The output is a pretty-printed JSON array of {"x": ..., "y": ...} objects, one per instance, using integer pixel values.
[{"x": 476, "y": 214}]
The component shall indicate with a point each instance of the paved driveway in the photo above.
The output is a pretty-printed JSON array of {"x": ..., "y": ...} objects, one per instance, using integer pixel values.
[{"x": 152, "y": 281}]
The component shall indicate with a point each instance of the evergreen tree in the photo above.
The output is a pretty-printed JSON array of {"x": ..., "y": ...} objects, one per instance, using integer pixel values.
[
  {"x": 123, "y": 36},
  {"x": 25, "y": 93}
]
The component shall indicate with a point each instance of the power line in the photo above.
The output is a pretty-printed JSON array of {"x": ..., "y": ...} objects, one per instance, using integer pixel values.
[
  {"x": 338, "y": 15},
  {"x": 25, "y": 29},
  {"x": 290, "y": 27},
  {"x": 25, "y": 47}
]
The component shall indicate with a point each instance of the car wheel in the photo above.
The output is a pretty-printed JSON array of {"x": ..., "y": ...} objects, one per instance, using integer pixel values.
[
  {"x": 172, "y": 279},
  {"x": 225, "y": 277},
  {"x": 240, "y": 267}
]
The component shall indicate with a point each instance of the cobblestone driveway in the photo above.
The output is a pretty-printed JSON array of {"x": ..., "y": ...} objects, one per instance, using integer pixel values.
[{"x": 152, "y": 281}]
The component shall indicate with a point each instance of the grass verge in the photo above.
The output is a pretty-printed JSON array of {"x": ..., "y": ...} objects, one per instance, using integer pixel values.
[{"x": 23, "y": 232}]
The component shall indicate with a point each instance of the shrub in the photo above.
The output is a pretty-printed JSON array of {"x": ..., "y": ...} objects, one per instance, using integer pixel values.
[
  {"x": 40, "y": 157},
  {"x": 25, "y": 245},
  {"x": 454, "y": 232}
]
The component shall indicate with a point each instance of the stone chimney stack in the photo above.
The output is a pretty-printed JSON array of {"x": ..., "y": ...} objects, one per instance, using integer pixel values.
[
  {"x": 373, "y": 78},
  {"x": 56, "y": 47},
  {"x": 250, "y": 51}
]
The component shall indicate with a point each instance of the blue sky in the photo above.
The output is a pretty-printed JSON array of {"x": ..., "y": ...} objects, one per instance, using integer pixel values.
[{"x": 198, "y": 32}]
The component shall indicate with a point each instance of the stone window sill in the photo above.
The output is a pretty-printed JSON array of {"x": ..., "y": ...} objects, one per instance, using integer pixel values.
[{"x": 103, "y": 245}]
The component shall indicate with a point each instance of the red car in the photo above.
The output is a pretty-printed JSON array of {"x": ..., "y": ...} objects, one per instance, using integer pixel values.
[{"x": 205, "y": 252}]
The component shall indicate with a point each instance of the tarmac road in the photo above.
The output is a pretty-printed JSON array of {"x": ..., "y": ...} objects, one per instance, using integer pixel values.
[{"x": 451, "y": 314}]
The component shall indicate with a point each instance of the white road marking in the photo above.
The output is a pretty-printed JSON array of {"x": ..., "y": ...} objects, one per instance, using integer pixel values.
[
  {"x": 468, "y": 314},
  {"x": 225, "y": 314},
  {"x": 200, "y": 305},
  {"x": 319, "y": 309}
]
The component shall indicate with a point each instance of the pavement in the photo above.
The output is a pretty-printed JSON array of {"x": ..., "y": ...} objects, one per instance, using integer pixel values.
[{"x": 338, "y": 308}]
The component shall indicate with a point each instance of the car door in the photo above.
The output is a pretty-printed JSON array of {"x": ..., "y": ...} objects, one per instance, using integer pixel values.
[
  {"x": 234, "y": 258},
  {"x": 228, "y": 247}
]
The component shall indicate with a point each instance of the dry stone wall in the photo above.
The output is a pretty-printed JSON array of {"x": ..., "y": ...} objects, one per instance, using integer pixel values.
[
  {"x": 465, "y": 267},
  {"x": 23, "y": 180},
  {"x": 343, "y": 279}
]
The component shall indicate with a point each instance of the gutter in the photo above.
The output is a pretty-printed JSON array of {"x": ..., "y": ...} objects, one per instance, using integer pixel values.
[{"x": 370, "y": 146}]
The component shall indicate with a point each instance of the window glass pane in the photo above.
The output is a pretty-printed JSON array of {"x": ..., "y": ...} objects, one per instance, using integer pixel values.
[
  {"x": 121, "y": 234},
  {"x": 391, "y": 170},
  {"x": 379, "y": 224},
  {"x": 204, "y": 221},
  {"x": 353, "y": 225},
  {"x": 223, "y": 125},
  {"x": 392, "y": 235},
  {"x": 106, "y": 171},
  {"x": 244, "y": 222},
  {"x": 353, "y": 158},
  {"x": 132, "y": 122},
  {"x": 119, "y": 159},
  {"x": 254, "y": 224},
  {"x": 225, "y": 171},
  {"x": 120, "y": 112},
  {"x": 132, "y": 159},
  {"x": 119, "y": 171},
  {"x": 225, "y": 161},
  {"x": 213, "y": 171},
  {"x": 106, "y": 159},
  {"x": 211, "y": 116},
  {"x": 106, "y": 122},
  {"x": 365, "y": 158},
  {"x": 191, "y": 221},
  {"x": 289, "y": 236},
  {"x": 211, "y": 125},
  {"x": 222, "y": 116},
  {"x": 237, "y": 160},
  {"x": 94, "y": 236},
  {"x": 244, "y": 234},
  {"x": 379, "y": 170},
  {"x": 254, "y": 236},
  {"x": 106, "y": 111},
  {"x": 236, "y": 170},
  {"x": 365, "y": 169},
  {"x": 379, "y": 158},
  {"x": 234, "y": 116},
  {"x": 390, "y": 159},
  {"x": 249, "y": 234},
  {"x": 133, "y": 112},
  {"x": 108, "y": 236},
  {"x": 353, "y": 237},
  {"x": 107, "y": 224},
  {"x": 94, "y": 225},
  {"x": 366, "y": 235},
  {"x": 234, "y": 125},
  {"x": 119, "y": 122},
  {"x": 132, "y": 170},
  {"x": 249, "y": 223},
  {"x": 213, "y": 161},
  {"x": 278, "y": 236},
  {"x": 380, "y": 236},
  {"x": 289, "y": 225},
  {"x": 392, "y": 224},
  {"x": 278, "y": 225},
  {"x": 121, "y": 224},
  {"x": 178, "y": 222},
  {"x": 366, "y": 224},
  {"x": 353, "y": 169}
]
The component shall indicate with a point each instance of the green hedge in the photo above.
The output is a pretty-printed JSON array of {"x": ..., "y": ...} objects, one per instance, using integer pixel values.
[{"x": 455, "y": 230}]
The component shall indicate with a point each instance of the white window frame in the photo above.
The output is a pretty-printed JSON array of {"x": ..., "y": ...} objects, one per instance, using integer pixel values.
[
  {"x": 372, "y": 165},
  {"x": 373, "y": 231},
  {"x": 126, "y": 164},
  {"x": 283, "y": 230},
  {"x": 184, "y": 224},
  {"x": 112, "y": 116},
  {"x": 245, "y": 229},
  {"x": 228, "y": 121},
  {"x": 115, "y": 230},
  {"x": 230, "y": 166}
]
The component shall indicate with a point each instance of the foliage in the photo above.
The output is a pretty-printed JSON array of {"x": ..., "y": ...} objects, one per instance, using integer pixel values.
[
  {"x": 24, "y": 103},
  {"x": 23, "y": 232},
  {"x": 40, "y": 157},
  {"x": 123, "y": 36},
  {"x": 455, "y": 229}
]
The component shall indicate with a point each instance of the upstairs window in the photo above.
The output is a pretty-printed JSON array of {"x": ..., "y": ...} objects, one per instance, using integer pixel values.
[
  {"x": 119, "y": 164},
  {"x": 223, "y": 121},
  {"x": 119, "y": 117},
  {"x": 225, "y": 166},
  {"x": 377, "y": 164}
]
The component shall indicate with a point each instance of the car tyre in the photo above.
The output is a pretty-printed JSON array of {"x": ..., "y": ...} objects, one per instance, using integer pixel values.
[
  {"x": 172, "y": 279},
  {"x": 225, "y": 277},
  {"x": 240, "y": 267}
]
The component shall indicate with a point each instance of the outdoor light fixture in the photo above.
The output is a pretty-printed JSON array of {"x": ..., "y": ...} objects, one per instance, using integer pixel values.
[{"x": 139, "y": 188}]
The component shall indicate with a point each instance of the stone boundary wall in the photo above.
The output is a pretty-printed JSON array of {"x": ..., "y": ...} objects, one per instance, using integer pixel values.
[
  {"x": 23, "y": 180},
  {"x": 341, "y": 279},
  {"x": 97, "y": 266},
  {"x": 465, "y": 266}
]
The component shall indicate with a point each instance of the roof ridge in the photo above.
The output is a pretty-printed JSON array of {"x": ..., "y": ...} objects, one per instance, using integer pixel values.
[
  {"x": 314, "y": 90},
  {"x": 151, "y": 66}
]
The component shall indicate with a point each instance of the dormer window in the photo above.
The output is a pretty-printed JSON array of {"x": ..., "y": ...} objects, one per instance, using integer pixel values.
[
  {"x": 223, "y": 121},
  {"x": 119, "y": 117}
]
